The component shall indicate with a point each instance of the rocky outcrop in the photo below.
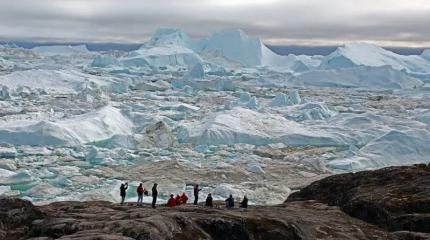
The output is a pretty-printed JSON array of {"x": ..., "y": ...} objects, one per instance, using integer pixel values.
[
  {"x": 395, "y": 198},
  {"x": 16, "y": 217},
  {"x": 104, "y": 220}
]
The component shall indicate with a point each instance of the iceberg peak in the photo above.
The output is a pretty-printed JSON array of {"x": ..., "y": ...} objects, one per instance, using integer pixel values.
[
  {"x": 169, "y": 36},
  {"x": 426, "y": 54}
]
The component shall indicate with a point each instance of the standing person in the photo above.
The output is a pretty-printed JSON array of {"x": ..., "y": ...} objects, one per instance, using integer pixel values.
[
  {"x": 172, "y": 201},
  {"x": 140, "y": 191},
  {"x": 178, "y": 200},
  {"x": 154, "y": 195},
  {"x": 209, "y": 201},
  {"x": 123, "y": 191},
  {"x": 196, "y": 194},
  {"x": 244, "y": 203},
  {"x": 184, "y": 198},
  {"x": 229, "y": 202}
]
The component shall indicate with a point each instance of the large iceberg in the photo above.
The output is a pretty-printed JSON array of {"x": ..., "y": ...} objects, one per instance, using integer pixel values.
[
  {"x": 384, "y": 77},
  {"x": 236, "y": 46},
  {"x": 175, "y": 37},
  {"x": 60, "y": 81},
  {"x": 78, "y": 130},
  {"x": 391, "y": 149},
  {"x": 161, "y": 57},
  {"x": 364, "y": 54},
  {"x": 241, "y": 125},
  {"x": 426, "y": 54}
]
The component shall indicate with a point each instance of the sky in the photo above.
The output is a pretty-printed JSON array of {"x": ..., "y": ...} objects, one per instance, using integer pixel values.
[{"x": 398, "y": 23}]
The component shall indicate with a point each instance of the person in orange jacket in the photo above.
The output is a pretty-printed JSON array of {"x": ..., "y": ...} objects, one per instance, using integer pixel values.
[
  {"x": 184, "y": 198},
  {"x": 172, "y": 201},
  {"x": 178, "y": 200}
]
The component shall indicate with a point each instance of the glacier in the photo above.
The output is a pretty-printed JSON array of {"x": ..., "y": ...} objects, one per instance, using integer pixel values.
[{"x": 222, "y": 110}]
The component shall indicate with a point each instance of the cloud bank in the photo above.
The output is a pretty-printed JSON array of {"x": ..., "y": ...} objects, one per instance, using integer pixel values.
[{"x": 317, "y": 22}]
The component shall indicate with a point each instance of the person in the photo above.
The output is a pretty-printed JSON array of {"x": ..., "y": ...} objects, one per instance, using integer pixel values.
[
  {"x": 196, "y": 194},
  {"x": 172, "y": 201},
  {"x": 209, "y": 201},
  {"x": 178, "y": 200},
  {"x": 184, "y": 198},
  {"x": 123, "y": 191},
  {"x": 244, "y": 203},
  {"x": 229, "y": 202},
  {"x": 154, "y": 194},
  {"x": 140, "y": 191}
]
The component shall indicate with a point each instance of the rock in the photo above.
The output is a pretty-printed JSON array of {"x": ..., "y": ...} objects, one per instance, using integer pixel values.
[
  {"x": 395, "y": 198},
  {"x": 16, "y": 216},
  {"x": 104, "y": 220},
  {"x": 405, "y": 235}
]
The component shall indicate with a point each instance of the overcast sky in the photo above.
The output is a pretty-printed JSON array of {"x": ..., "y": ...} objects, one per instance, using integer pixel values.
[{"x": 319, "y": 22}]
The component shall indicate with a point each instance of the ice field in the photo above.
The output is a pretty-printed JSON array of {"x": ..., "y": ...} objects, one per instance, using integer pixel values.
[{"x": 223, "y": 111}]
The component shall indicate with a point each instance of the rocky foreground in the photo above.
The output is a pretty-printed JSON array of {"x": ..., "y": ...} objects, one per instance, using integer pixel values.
[{"x": 392, "y": 203}]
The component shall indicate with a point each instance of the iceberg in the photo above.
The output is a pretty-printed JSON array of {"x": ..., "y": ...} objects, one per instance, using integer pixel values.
[
  {"x": 426, "y": 54},
  {"x": 395, "y": 148},
  {"x": 49, "y": 80},
  {"x": 12, "y": 178},
  {"x": 196, "y": 72},
  {"x": 384, "y": 77},
  {"x": 159, "y": 85},
  {"x": 281, "y": 99},
  {"x": 238, "y": 47},
  {"x": 4, "y": 92},
  {"x": 78, "y": 130},
  {"x": 399, "y": 148},
  {"x": 175, "y": 37},
  {"x": 241, "y": 125},
  {"x": 365, "y": 54},
  {"x": 161, "y": 57},
  {"x": 309, "y": 111},
  {"x": 7, "y": 151},
  {"x": 104, "y": 61},
  {"x": 294, "y": 96}
]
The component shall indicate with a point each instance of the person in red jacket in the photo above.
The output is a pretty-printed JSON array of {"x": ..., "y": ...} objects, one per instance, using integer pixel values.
[
  {"x": 140, "y": 191},
  {"x": 178, "y": 200},
  {"x": 172, "y": 201},
  {"x": 184, "y": 198}
]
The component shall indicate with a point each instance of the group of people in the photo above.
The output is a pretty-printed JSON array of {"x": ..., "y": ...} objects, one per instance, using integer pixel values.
[{"x": 179, "y": 199}]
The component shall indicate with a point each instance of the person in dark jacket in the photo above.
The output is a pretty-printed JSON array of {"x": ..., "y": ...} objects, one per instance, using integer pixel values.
[
  {"x": 123, "y": 191},
  {"x": 244, "y": 203},
  {"x": 196, "y": 194},
  {"x": 229, "y": 202},
  {"x": 140, "y": 191},
  {"x": 209, "y": 201},
  {"x": 172, "y": 201},
  {"x": 154, "y": 195}
]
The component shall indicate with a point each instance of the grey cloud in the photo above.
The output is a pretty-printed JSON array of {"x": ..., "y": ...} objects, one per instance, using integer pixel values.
[{"x": 282, "y": 20}]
